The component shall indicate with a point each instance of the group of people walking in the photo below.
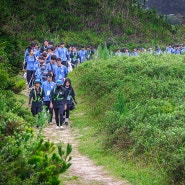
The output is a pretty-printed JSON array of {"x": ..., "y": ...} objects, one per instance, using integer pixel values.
[
  {"x": 47, "y": 68},
  {"x": 170, "y": 49}
]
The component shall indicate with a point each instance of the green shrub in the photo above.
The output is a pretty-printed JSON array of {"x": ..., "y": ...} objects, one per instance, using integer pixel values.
[
  {"x": 25, "y": 158},
  {"x": 140, "y": 101}
]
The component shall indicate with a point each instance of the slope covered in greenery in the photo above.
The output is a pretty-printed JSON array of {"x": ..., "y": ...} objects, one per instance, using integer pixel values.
[
  {"x": 140, "y": 102},
  {"x": 119, "y": 23}
]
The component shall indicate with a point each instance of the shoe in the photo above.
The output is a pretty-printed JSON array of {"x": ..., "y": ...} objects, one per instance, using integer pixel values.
[
  {"x": 61, "y": 127},
  {"x": 66, "y": 123},
  {"x": 50, "y": 123},
  {"x": 57, "y": 127}
]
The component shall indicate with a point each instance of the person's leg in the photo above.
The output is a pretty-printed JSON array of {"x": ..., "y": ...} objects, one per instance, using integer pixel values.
[
  {"x": 51, "y": 115},
  {"x": 61, "y": 112},
  {"x": 47, "y": 104},
  {"x": 67, "y": 117},
  {"x": 33, "y": 111},
  {"x": 28, "y": 77},
  {"x": 56, "y": 110},
  {"x": 32, "y": 77}
]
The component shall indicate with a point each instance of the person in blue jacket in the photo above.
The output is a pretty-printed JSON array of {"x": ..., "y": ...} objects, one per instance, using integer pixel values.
[
  {"x": 41, "y": 73},
  {"x": 51, "y": 66},
  {"x": 48, "y": 87},
  {"x": 62, "y": 70},
  {"x": 58, "y": 100},
  {"x": 63, "y": 53},
  {"x": 30, "y": 61},
  {"x": 82, "y": 54}
]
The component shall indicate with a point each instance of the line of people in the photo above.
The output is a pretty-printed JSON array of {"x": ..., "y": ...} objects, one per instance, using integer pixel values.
[
  {"x": 170, "y": 49},
  {"x": 56, "y": 60},
  {"x": 47, "y": 79},
  {"x": 57, "y": 96}
]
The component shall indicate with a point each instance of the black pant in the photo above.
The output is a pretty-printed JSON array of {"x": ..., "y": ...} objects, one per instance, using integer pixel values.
[
  {"x": 65, "y": 63},
  {"x": 66, "y": 113},
  {"x": 59, "y": 115},
  {"x": 47, "y": 104},
  {"x": 36, "y": 110},
  {"x": 30, "y": 77},
  {"x": 74, "y": 63}
]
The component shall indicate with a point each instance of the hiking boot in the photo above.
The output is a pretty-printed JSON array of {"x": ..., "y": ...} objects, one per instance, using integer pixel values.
[{"x": 66, "y": 123}]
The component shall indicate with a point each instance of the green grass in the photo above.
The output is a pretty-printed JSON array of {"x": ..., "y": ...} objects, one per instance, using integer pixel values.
[{"x": 91, "y": 144}]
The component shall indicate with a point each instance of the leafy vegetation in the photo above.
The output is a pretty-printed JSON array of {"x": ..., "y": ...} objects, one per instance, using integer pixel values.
[
  {"x": 119, "y": 23},
  {"x": 25, "y": 157},
  {"x": 140, "y": 103}
]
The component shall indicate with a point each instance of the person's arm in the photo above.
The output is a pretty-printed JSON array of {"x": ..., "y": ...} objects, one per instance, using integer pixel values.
[
  {"x": 65, "y": 98},
  {"x": 51, "y": 100},
  {"x": 43, "y": 94},
  {"x": 30, "y": 96},
  {"x": 73, "y": 95}
]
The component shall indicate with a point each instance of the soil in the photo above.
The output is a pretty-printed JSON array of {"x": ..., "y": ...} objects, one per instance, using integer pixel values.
[{"x": 83, "y": 171}]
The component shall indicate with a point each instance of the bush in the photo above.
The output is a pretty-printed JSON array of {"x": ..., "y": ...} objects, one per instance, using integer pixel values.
[
  {"x": 25, "y": 157},
  {"x": 141, "y": 101}
]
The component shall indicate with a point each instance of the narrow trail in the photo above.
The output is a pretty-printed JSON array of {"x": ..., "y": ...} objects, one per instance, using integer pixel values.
[
  {"x": 83, "y": 171},
  {"x": 82, "y": 167}
]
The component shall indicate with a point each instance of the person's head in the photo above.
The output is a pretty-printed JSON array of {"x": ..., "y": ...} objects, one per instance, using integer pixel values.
[
  {"x": 59, "y": 61},
  {"x": 74, "y": 49},
  {"x": 52, "y": 49},
  {"x": 41, "y": 59},
  {"x": 118, "y": 50},
  {"x": 62, "y": 44},
  {"x": 67, "y": 82},
  {"x": 83, "y": 48},
  {"x": 49, "y": 78},
  {"x": 49, "y": 50},
  {"x": 42, "y": 67},
  {"x": 126, "y": 50},
  {"x": 36, "y": 45},
  {"x": 88, "y": 47},
  {"x": 59, "y": 83},
  {"x": 44, "y": 54},
  {"x": 45, "y": 43},
  {"x": 37, "y": 83},
  {"x": 135, "y": 49},
  {"x": 50, "y": 43},
  {"x": 53, "y": 59},
  {"x": 32, "y": 45},
  {"x": 30, "y": 51},
  {"x": 70, "y": 49}
]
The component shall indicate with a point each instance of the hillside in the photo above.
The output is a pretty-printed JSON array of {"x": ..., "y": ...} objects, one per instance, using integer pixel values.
[
  {"x": 138, "y": 104},
  {"x": 119, "y": 23}
]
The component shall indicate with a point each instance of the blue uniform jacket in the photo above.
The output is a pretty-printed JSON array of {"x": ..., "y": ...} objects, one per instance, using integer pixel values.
[
  {"x": 62, "y": 72},
  {"x": 53, "y": 69},
  {"x": 83, "y": 55},
  {"x": 62, "y": 53},
  {"x": 31, "y": 61},
  {"x": 41, "y": 74},
  {"x": 47, "y": 87}
]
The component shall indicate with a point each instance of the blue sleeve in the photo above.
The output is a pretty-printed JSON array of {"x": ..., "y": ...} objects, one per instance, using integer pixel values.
[{"x": 25, "y": 54}]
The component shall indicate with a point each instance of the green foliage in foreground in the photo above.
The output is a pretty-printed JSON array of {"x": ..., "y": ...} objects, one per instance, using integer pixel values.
[
  {"x": 25, "y": 158},
  {"x": 141, "y": 102}
]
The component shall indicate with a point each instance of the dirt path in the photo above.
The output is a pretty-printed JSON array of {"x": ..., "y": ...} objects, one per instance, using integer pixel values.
[{"x": 83, "y": 171}]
